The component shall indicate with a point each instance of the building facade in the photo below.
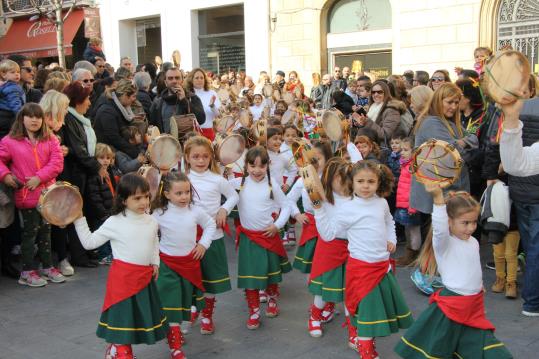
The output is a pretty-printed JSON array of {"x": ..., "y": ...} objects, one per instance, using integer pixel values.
[{"x": 379, "y": 36}]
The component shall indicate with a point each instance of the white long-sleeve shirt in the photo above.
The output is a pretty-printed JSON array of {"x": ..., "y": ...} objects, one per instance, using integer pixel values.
[
  {"x": 291, "y": 170},
  {"x": 516, "y": 159},
  {"x": 257, "y": 111},
  {"x": 367, "y": 224},
  {"x": 133, "y": 237},
  {"x": 458, "y": 260},
  {"x": 296, "y": 192},
  {"x": 256, "y": 207},
  {"x": 279, "y": 165},
  {"x": 332, "y": 211},
  {"x": 211, "y": 112},
  {"x": 178, "y": 227},
  {"x": 208, "y": 188}
]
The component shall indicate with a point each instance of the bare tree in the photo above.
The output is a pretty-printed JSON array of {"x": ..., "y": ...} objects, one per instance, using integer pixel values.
[{"x": 50, "y": 9}]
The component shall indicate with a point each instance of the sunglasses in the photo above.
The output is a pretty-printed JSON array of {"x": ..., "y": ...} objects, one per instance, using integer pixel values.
[
  {"x": 101, "y": 66},
  {"x": 437, "y": 79},
  {"x": 174, "y": 78},
  {"x": 379, "y": 92},
  {"x": 27, "y": 69},
  {"x": 88, "y": 81}
]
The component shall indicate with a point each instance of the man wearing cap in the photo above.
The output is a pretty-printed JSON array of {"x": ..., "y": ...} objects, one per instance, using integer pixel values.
[{"x": 279, "y": 79}]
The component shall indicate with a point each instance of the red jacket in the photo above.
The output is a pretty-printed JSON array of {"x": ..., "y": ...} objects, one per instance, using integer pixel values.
[
  {"x": 404, "y": 186},
  {"x": 23, "y": 160}
]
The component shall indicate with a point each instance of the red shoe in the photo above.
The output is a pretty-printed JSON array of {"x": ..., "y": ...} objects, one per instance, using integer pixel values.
[
  {"x": 194, "y": 316},
  {"x": 177, "y": 354},
  {"x": 328, "y": 312},
  {"x": 175, "y": 338},
  {"x": 272, "y": 309},
  {"x": 206, "y": 323},
  {"x": 367, "y": 349},
  {"x": 118, "y": 351},
  {"x": 263, "y": 296},
  {"x": 253, "y": 301},
  {"x": 352, "y": 334},
  {"x": 315, "y": 322}
]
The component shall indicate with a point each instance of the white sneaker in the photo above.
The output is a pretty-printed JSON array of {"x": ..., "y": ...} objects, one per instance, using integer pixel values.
[
  {"x": 53, "y": 274},
  {"x": 32, "y": 279},
  {"x": 66, "y": 268},
  {"x": 530, "y": 313}
]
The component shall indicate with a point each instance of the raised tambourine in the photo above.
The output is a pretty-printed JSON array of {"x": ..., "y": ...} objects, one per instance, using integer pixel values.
[
  {"x": 267, "y": 90},
  {"x": 302, "y": 152},
  {"x": 334, "y": 124},
  {"x": 229, "y": 148},
  {"x": 153, "y": 176},
  {"x": 60, "y": 203},
  {"x": 506, "y": 76},
  {"x": 165, "y": 152},
  {"x": 313, "y": 185},
  {"x": 223, "y": 95},
  {"x": 436, "y": 161},
  {"x": 224, "y": 124}
]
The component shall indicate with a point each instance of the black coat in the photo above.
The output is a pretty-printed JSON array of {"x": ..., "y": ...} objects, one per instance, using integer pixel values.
[
  {"x": 108, "y": 125},
  {"x": 345, "y": 104},
  {"x": 32, "y": 94},
  {"x": 99, "y": 199},
  {"x": 145, "y": 100},
  {"x": 78, "y": 164},
  {"x": 6, "y": 121}
]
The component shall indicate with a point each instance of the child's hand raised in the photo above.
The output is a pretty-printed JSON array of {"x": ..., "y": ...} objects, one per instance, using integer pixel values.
[
  {"x": 435, "y": 189},
  {"x": 391, "y": 247},
  {"x": 198, "y": 252}
]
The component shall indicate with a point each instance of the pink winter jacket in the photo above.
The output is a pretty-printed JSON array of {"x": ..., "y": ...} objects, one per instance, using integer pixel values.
[
  {"x": 24, "y": 160},
  {"x": 404, "y": 187}
]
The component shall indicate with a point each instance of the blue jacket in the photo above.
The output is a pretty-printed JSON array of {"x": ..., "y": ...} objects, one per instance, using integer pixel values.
[{"x": 12, "y": 97}]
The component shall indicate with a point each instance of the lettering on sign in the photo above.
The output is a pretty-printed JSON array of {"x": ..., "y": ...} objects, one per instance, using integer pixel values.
[{"x": 40, "y": 28}]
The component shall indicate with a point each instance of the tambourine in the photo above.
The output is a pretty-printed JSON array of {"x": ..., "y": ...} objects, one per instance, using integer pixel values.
[
  {"x": 224, "y": 124},
  {"x": 229, "y": 148},
  {"x": 152, "y": 133},
  {"x": 245, "y": 118},
  {"x": 436, "y": 161},
  {"x": 313, "y": 185},
  {"x": 297, "y": 92},
  {"x": 334, "y": 124},
  {"x": 153, "y": 176},
  {"x": 165, "y": 152},
  {"x": 506, "y": 75},
  {"x": 289, "y": 116},
  {"x": 235, "y": 89},
  {"x": 223, "y": 95},
  {"x": 181, "y": 125},
  {"x": 267, "y": 90},
  {"x": 302, "y": 152},
  {"x": 288, "y": 97},
  {"x": 60, "y": 204}
]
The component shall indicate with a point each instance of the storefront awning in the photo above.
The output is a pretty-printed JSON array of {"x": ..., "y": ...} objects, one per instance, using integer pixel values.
[{"x": 38, "y": 38}]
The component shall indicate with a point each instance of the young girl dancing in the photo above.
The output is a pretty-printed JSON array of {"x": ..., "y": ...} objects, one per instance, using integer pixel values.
[
  {"x": 261, "y": 258},
  {"x": 30, "y": 160},
  {"x": 290, "y": 133},
  {"x": 180, "y": 277},
  {"x": 454, "y": 324},
  {"x": 309, "y": 235},
  {"x": 373, "y": 297},
  {"x": 209, "y": 186},
  {"x": 131, "y": 313}
]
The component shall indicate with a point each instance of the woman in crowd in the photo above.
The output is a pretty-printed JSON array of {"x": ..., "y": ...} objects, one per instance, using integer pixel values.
[
  {"x": 438, "y": 78},
  {"x": 197, "y": 82},
  {"x": 293, "y": 83}
]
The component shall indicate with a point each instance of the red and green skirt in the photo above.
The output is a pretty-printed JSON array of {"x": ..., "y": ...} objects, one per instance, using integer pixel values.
[
  {"x": 259, "y": 267},
  {"x": 330, "y": 285},
  {"x": 138, "y": 319},
  {"x": 383, "y": 311},
  {"x": 304, "y": 256},
  {"x": 434, "y": 335},
  {"x": 214, "y": 267},
  {"x": 177, "y": 295}
]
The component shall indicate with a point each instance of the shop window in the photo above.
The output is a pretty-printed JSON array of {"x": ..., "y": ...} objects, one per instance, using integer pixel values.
[{"x": 359, "y": 15}]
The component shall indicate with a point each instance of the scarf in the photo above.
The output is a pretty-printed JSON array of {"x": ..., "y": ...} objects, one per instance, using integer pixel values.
[
  {"x": 91, "y": 139},
  {"x": 127, "y": 113},
  {"x": 374, "y": 109}
]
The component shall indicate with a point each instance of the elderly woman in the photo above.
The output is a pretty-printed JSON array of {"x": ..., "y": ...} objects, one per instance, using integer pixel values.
[
  {"x": 116, "y": 114},
  {"x": 143, "y": 81},
  {"x": 79, "y": 137},
  {"x": 197, "y": 82}
]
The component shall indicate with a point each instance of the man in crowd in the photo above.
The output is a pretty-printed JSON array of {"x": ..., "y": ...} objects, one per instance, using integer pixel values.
[
  {"x": 420, "y": 78},
  {"x": 338, "y": 81},
  {"x": 322, "y": 94},
  {"x": 279, "y": 79},
  {"x": 83, "y": 76},
  {"x": 346, "y": 73},
  {"x": 126, "y": 63},
  {"x": 27, "y": 78},
  {"x": 101, "y": 72}
]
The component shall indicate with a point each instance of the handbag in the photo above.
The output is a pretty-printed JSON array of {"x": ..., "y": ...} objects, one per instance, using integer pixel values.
[{"x": 181, "y": 125}]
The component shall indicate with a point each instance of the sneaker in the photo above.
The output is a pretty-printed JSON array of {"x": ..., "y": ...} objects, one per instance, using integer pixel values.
[
  {"x": 437, "y": 282},
  {"x": 273, "y": 309},
  {"x": 254, "y": 319},
  {"x": 421, "y": 282},
  {"x": 490, "y": 265},
  {"x": 66, "y": 268},
  {"x": 106, "y": 260},
  {"x": 32, "y": 279},
  {"x": 315, "y": 322},
  {"x": 53, "y": 275},
  {"x": 328, "y": 312},
  {"x": 263, "y": 296},
  {"x": 117, "y": 351},
  {"x": 530, "y": 313}
]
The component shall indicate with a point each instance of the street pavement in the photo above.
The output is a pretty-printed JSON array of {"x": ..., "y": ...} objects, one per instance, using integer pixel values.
[{"x": 59, "y": 321}]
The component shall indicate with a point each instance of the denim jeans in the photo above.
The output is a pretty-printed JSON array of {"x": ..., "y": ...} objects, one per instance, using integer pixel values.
[{"x": 528, "y": 225}]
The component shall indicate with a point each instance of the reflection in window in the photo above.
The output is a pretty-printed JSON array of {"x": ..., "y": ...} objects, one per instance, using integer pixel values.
[{"x": 359, "y": 15}]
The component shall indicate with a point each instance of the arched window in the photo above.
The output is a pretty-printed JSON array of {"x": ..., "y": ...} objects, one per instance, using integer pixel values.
[
  {"x": 518, "y": 26},
  {"x": 359, "y": 15}
]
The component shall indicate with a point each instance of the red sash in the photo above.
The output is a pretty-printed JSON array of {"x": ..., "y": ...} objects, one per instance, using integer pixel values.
[
  {"x": 328, "y": 256},
  {"x": 124, "y": 281},
  {"x": 273, "y": 244},
  {"x": 361, "y": 278},
  {"x": 225, "y": 228},
  {"x": 186, "y": 267},
  {"x": 208, "y": 133},
  {"x": 468, "y": 310},
  {"x": 309, "y": 230}
]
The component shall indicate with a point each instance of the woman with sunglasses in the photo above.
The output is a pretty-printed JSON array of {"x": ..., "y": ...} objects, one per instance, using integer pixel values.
[{"x": 438, "y": 78}]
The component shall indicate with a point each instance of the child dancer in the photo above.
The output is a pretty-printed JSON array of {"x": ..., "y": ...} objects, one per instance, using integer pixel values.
[
  {"x": 180, "y": 277},
  {"x": 30, "y": 160},
  {"x": 373, "y": 297},
  {"x": 290, "y": 133},
  {"x": 131, "y": 313},
  {"x": 454, "y": 324},
  {"x": 404, "y": 214},
  {"x": 209, "y": 186},
  {"x": 258, "y": 107},
  {"x": 261, "y": 258},
  {"x": 309, "y": 235}
]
